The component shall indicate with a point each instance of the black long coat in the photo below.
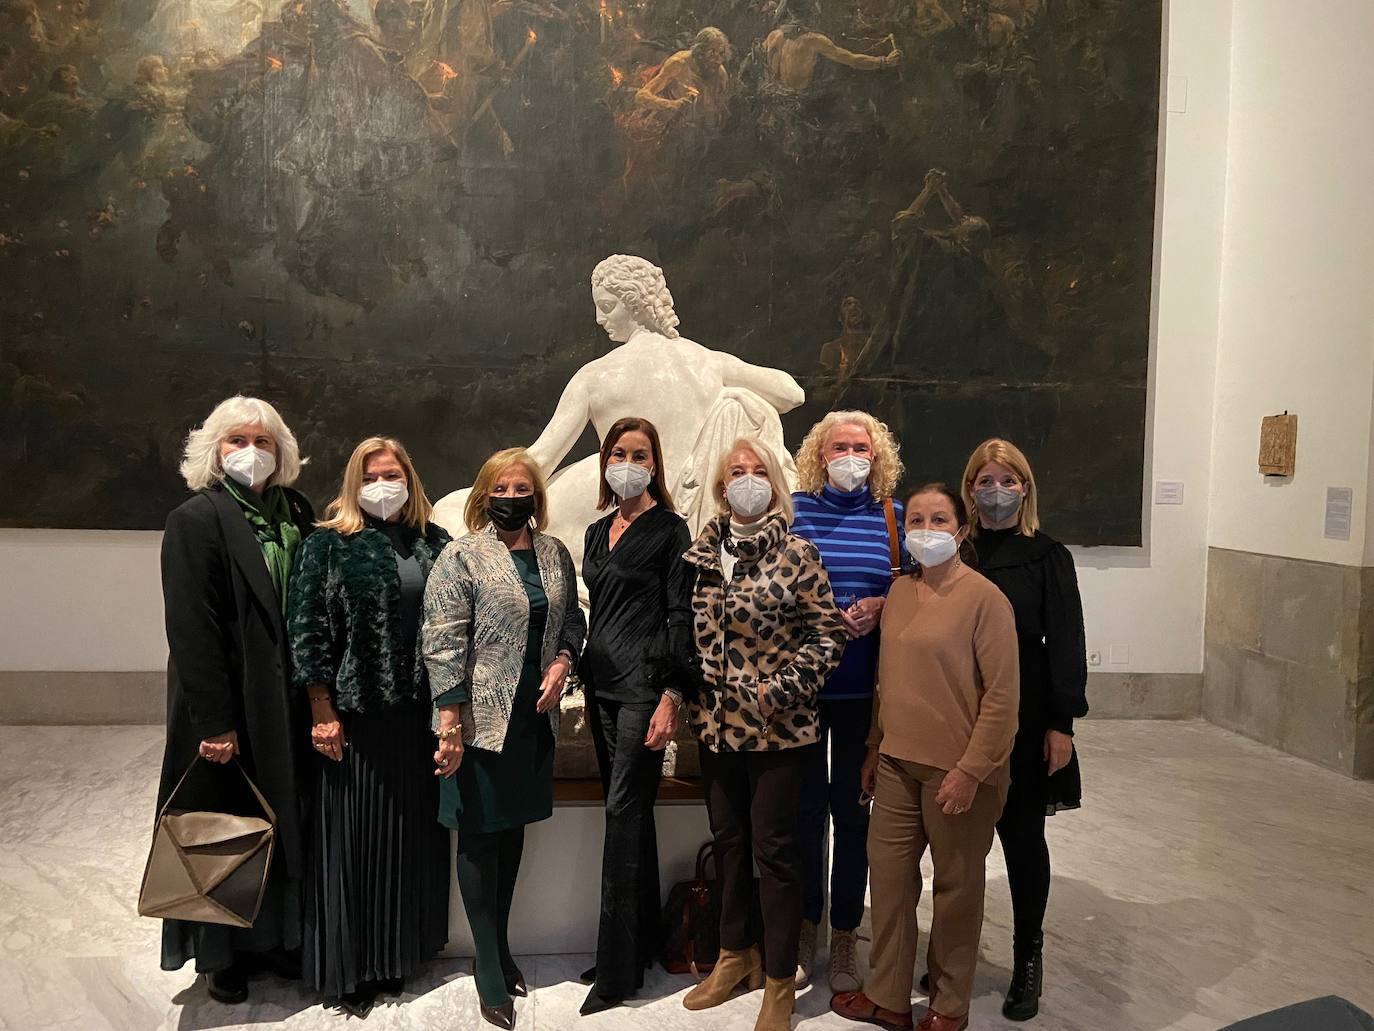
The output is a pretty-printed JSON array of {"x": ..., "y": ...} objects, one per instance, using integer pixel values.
[
  {"x": 228, "y": 666},
  {"x": 1037, "y": 576}
]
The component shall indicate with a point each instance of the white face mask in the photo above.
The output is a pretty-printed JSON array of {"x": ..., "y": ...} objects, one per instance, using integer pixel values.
[
  {"x": 749, "y": 495},
  {"x": 627, "y": 479},
  {"x": 249, "y": 466},
  {"x": 849, "y": 472},
  {"x": 931, "y": 547},
  {"x": 383, "y": 498}
]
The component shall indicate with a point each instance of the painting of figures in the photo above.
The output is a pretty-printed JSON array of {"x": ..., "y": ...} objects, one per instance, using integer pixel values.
[{"x": 382, "y": 215}]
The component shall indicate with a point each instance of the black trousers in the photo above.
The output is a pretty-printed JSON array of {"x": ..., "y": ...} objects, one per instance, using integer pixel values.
[
  {"x": 832, "y": 791},
  {"x": 628, "y": 935},
  {"x": 752, "y": 799},
  {"x": 1022, "y": 833}
]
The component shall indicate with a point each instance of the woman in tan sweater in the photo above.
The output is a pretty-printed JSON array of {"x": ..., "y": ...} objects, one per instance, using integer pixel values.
[{"x": 944, "y": 720}]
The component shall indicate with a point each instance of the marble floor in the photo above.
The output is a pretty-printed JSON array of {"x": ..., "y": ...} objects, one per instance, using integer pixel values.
[{"x": 1209, "y": 878}]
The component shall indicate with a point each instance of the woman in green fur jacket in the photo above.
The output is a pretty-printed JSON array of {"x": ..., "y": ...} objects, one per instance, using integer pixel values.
[{"x": 379, "y": 859}]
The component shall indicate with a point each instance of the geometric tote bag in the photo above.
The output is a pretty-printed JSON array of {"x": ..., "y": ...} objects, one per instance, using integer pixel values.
[{"x": 208, "y": 867}]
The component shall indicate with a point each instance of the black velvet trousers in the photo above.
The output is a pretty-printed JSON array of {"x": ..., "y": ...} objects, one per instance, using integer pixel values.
[{"x": 628, "y": 936}]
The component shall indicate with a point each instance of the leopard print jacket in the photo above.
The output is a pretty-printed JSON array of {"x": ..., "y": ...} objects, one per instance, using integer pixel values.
[{"x": 773, "y": 625}]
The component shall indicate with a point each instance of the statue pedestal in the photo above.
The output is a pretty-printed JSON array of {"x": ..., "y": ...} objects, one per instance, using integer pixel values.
[{"x": 558, "y": 896}]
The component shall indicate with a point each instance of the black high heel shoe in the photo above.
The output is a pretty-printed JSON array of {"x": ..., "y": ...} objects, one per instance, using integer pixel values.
[
  {"x": 502, "y": 1016},
  {"x": 599, "y": 1003},
  {"x": 515, "y": 984},
  {"x": 588, "y": 976}
]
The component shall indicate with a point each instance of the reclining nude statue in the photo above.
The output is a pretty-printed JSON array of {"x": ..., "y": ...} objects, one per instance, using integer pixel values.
[{"x": 700, "y": 400}]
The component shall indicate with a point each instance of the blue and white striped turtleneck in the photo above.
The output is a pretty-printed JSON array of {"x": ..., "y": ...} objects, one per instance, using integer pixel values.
[{"x": 849, "y": 530}]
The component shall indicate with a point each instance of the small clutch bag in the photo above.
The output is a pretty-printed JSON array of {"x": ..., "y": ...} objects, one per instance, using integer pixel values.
[{"x": 208, "y": 867}]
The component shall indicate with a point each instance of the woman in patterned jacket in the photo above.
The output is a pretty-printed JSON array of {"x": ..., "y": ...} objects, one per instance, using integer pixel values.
[
  {"x": 767, "y": 634},
  {"x": 502, "y": 632}
]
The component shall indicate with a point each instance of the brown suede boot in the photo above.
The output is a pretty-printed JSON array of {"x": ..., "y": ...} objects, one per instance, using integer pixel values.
[
  {"x": 731, "y": 969},
  {"x": 779, "y": 994}
]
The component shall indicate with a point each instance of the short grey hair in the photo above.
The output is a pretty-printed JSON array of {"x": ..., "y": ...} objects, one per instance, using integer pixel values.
[{"x": 200, "y": 464}]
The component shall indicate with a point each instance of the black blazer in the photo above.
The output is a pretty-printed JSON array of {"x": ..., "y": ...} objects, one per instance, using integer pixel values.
[{"x": 227, "y": 667}]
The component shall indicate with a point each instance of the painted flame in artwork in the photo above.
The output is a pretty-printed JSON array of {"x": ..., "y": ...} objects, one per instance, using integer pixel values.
[
  {"x": 447, "y": 71},
  {"x": 617, "y": 76},
  {"x": 274, "y": 63},
  {"x": 530, "y": 37}
]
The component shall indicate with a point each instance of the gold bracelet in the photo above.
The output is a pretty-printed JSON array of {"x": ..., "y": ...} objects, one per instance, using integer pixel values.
[{"x": 446, "y": 733}]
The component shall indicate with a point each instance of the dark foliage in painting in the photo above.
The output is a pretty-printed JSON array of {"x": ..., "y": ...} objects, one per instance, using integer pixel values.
[{"x": 382, "y": 215}]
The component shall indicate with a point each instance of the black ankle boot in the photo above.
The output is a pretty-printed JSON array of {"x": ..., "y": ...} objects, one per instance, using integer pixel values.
[{"x": 1027, "y": 980}]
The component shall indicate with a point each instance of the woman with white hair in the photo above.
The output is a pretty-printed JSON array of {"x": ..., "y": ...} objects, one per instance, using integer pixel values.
[
  {"x": 767, "y": 636},
  {"x": 226, "y": 560}
]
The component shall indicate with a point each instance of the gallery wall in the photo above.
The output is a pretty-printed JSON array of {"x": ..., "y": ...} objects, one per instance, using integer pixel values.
[
  {"x": 1297, "y": 311},
  {"x": 88, "y": 600}
]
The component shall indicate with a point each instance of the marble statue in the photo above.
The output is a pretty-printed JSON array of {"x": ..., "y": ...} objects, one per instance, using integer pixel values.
[{"x": 701, "y": 401}]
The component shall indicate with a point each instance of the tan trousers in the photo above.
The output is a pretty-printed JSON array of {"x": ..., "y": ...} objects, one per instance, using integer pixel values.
[{"x": 905, "y": 820}]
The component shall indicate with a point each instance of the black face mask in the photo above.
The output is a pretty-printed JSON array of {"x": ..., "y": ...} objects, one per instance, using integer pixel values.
[{"x": 511, "y": 514}]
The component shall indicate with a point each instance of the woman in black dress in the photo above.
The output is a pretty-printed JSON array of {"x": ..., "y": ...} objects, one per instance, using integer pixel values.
[
  {"x": 226, "y": 561},
  {"x": 639, "y": 646},
  {"x": 379, "y": 858},
  {"x": 1036, "y": 574}
]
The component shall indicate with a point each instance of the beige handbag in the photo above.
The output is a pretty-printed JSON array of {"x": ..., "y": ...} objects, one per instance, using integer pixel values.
[{"x": 208, "y": 867}]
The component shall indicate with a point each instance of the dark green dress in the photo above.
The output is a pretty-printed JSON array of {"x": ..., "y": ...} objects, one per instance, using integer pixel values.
[{"x": 497, "y": 791}]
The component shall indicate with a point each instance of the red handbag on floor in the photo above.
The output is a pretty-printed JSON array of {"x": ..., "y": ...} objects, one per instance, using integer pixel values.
[{"x": 691, "y": 921}]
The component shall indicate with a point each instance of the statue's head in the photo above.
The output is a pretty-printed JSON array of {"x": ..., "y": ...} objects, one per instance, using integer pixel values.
[{"x": 631, "y": 293}]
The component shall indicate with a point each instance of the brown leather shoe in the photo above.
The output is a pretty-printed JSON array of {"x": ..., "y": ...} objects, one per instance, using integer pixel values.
[
  {"x": 858, "y": 1006},
  {"x": 933, "y": 1021},
  {"x": 733, "y": 968}
]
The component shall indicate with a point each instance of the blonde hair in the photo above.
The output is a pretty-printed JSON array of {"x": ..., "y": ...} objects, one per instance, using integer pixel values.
[
  {"x": 782, "y": 497},
  {"x": 1003, "y": 452},
  {"x": 887, "y": 468},
  {"x": 475, "y": 511},
  {"x": 345, "y": 515},
  {"x": 200, "y": 462}
]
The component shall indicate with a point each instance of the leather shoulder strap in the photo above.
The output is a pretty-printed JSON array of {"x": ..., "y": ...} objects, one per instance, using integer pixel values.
[
  {"x": 262, "y": 801},
  {"x": 894, "y": 546}
]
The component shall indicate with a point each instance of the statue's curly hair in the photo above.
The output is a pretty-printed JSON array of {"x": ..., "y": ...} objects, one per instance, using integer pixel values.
[
  {"x": 885, "y": 472},
  {"x": 641, "y": 287}
]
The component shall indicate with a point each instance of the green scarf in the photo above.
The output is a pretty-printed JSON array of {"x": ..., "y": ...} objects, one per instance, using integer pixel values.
[{"x": 277, "y": 533}]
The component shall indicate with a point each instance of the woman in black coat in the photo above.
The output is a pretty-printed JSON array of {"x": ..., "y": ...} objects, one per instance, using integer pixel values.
[
  {"x": 1036, "y": 574},
  {"x": 226, "y": 559}
]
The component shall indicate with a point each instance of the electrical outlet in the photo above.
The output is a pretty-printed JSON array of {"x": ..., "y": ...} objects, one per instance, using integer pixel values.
[{"x": 1094, "y": 658}]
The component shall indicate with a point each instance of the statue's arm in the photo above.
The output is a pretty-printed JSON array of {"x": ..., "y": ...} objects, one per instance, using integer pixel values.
[
  {"x": 775, "y": 386},
  {"x": 569, "y": 420}
]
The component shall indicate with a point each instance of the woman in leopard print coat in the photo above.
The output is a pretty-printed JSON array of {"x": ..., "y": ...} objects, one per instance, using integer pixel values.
[{"x": 767, "y": 635}]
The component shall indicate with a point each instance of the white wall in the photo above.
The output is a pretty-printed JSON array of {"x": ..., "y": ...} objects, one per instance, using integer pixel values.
[
  {"x": 91, "y": 601},
  {"x": 80, "y": 600},
  {"x": 1297, "y": 308}
]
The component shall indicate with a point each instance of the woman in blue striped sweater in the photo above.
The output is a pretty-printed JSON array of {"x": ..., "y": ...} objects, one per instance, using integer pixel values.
[{"x": 847, "y": 469}]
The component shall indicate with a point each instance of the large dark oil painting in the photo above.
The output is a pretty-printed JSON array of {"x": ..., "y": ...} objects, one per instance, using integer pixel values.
[{"x": 382, "y": 215}]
